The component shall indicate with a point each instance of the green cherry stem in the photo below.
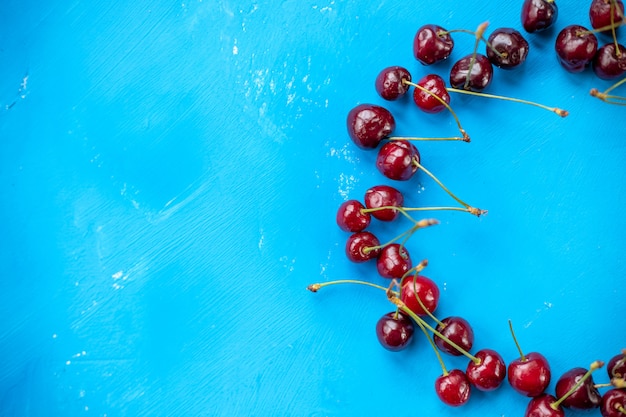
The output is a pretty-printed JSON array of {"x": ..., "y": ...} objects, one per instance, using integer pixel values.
[
  {"x": 479, "y": 34},
  {"x": 406, "y": 234},
  {"x": 463, "y": 139},
  {"x": 594, "y": 366},
  {"x": 432, "y": 344},
  {"x": 521, "y": 354},
  {"x": 318, "y": 286}
]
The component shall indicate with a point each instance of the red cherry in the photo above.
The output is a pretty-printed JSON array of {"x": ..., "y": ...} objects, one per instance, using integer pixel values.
[
  {"x": 511, "y": 46},
  {"x": 359, "y": 247},
  {"x": 431, "y": 44},
  {"x": 542, "y": 407},
  {"x": 390, "y": 82},
  {"x": 600, "y": 13},
  {"x": 613, "y": 403},
  {"x": 394, "y": 331},
  {"x": 396, "y": 160},
  {"x": 616, "y": 367},
  {"x": 488, "y": 374},
  {"x": 606, "y": 64},
  {"x": 423, "y": 287},
  {"x": 383, "y": 196},
  {"x": 480, "y": 75},
  {"x": 575, "y": 47},
  {"x": 538, "y": 15},
  {"x": 456, "y": 329},
  {"x": 426, "y": 102},
  {"x": 368, "y": 124},
  {"x": 453, "y": 388},
  {"x": 529, "y": 375},
  {"x": 585, "y": 397},
  {"x": 393, "y": 261},
  {"x": 350, "y": 218}
]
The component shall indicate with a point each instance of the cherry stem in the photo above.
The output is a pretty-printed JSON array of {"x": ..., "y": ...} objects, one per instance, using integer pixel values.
[
  {"x": 402, "y": 210},
  {"x": 319, "y": 286},
  {"x": 594, "y": 366},
  {"x": 613, "y": 5},
  {"x": 479, "y": 34},
  {"x": 472, "y": 32},
  {"x": 618, "y": 383},
  {"x": 612, "y": 26},
  {"x": 443, "y": 102},
  {"x": 432, "y": 344},
  {"x": 521, "y": 354},
  {"x": 406, "y": 234},
  {"x": 560, "y": 112},
  {"x": 464, "y": 139},
  {"x": 416, "y": 269},
  {"x": 608, "y": 98},
  {"x": 475, "y": 211}
]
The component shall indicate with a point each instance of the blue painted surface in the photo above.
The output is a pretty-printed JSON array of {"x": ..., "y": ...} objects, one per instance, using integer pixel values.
[{"x": 169, "y": 176}]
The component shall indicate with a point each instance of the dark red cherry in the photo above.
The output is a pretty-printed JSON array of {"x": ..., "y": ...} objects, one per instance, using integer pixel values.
[
  {"x": 362, "y": 246},
  {"x": 383, "y": 196},
  {"x": 390, "y": 82},
  {"x": 350, "y": 218},
  {"x": 606, "y": 64},
  {"x": 541, "y": 406},
  {"x": 511, "y": 45},
  {"x": 616, "y": 367},
  {"x": 396, "y": 160},
  {"x": 600, "y": 13},
  {"x": 488, "y": 374},
  {"x": 459, "y": 331},
  {"x": 480, "y": 76},
  {"x": 585, "y": 397},
  {"x": 575, "y": 47},
  {"x": 453, "y": 388},
  {"x": 368, "y": 124},
  {"x": 538, "y": 15},
  {"x": 613, "y": 403},
  {"x": 393, "y": 261},
  {"x": 530, "y": 375},
  {"x": 432, "y": 44},
  {"x": 424, "y": 288},
  {"x": 394, "y": 331},
  {"x": 426, "y": 102}
]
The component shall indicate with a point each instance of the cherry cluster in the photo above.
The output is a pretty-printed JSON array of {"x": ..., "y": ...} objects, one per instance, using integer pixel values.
[{"x": 416, "y": 296}]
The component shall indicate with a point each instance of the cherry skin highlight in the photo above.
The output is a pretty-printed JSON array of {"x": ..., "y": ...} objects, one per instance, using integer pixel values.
[
  {"x": 390, "y": 83},
  {"x": 426, "y": 102},
  {"x": 394, "y": 331},
  {"x": 383, "y": 196},
  {"x": 529, "y": 376},
  {"x": 489, "y": 373},
  {"x": 393, "y": 261},
  {"x": 396, "y": 160},
  {"x": 538, "y": 15},
  {"x": 585, "y": 397},
  {"x": 431, "y": 44},
  {"x": 357, "y": 244},
  {"x": 368, "y": 124},
  {"x": 454, "y": 388},
  {"x": 541, "y": 407},
  {"x": 350, "y": 218},
  {"x": 511, "y": 45},
  {"x": 414, "y": 287},
  {"x": 575, "y": 48},
  {"x": 480, "y": 76},
  {"x": 459, "y": 331}
]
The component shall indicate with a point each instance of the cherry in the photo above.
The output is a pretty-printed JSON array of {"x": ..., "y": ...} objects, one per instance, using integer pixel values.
[
  {"x": 368, "y": 124},
  {"x": 600, "y": 13},
  {"x": 607, "y": 64},
  {"x": 393, "y": 261},
  {"x": 575, "y": 47},
  {"x": 427, "y": 102},
  {"x": 488, "y": 372},
  {"x": 384, "y": 196},
  {"x": 616, "y": 367},
  {"x": 362, "y": 246},
  {"x": 453, "y": 388},
  {"x": 543, "y": 406},
  {"x": 538, "y": 15},
  {"x": 585, "y": 397},
  {"x": 350, "y": 218},
  {"x": 456, "y": 329},
  {"x": 418, "y": 288},
  {"x": 480, "y": 76},
  {"x": 613, "y": 403},
  {"x": 529, "y": 374},
  {"x": 397, "y": 160},
  {"x": 432, "y": 44},
  {"x": 394, "y": 331},
  {"x": 508, "y": 48},
  {"x": 390, "y": 82}
]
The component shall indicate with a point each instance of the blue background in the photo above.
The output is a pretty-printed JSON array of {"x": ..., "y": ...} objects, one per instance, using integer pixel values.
[{"x": 169, "y": 177}]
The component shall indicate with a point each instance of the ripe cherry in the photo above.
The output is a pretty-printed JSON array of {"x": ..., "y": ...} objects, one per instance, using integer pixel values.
[
  {"x": 394, "y": 331},
  {"x": 432, "y": 44},
  {"x": 613, "y": 403},
  {"x": 488, "y": 372},
  {"x": 362, "y": 246},
  {"x": 458, "y": 330},
  {"x": 419, "y": 288},
  {"x": 480, "y": 76},
  {"x": 383, "y": 196},
  {"x": 397, "y": 159},
  {"x": 393, "y": 261},
  {"x": 390, "y": 82},
  {"x": 606, "y": 64},
  {"x": 530, "y": 374},
  {"x": 575, "y": 47},
  {"x": 616, "y": 367},
  {"x": 453, "y": 388},
  {"x": 543, "y": 406},
  {"x": 426, "y": 102},
  {"x": 511, "y": 47},
  {"x": 600, "y": 13},
  {"x": 368, "y": 124},
  {"x": 538, "y": 15},
  {"x": 584, "y": 397},
  {"x": 350, "y": 218}
]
